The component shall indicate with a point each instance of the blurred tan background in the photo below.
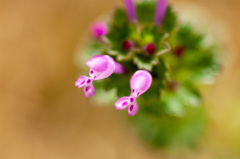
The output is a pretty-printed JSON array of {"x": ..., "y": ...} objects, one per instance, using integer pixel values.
[{"x": 42, "y": 114}]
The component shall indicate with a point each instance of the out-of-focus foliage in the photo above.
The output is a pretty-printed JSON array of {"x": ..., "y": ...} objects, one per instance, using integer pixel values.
[{"x": 171, "y": 110}]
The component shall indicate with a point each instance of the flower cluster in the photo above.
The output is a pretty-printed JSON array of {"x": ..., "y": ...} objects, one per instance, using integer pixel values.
[
  {"x": 137, "y": 41},
  {"x": 163, "y": 59},
  {"x": 103, "y": 66}
]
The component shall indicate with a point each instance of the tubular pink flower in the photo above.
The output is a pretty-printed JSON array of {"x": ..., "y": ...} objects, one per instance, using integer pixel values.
[
  {"x": 101, "y": 66},
  {"x": 160, "y": 11},
  {"x": 99, "y": 29},
  {"x": 139, "y": 83},
  {"x": 119, "y": 69},
  {"x": 131, "y": 11}
]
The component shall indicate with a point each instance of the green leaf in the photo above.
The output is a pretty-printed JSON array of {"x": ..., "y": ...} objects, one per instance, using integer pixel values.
[
  {"x": 188, "y": 38},
  {"x": 119, "y": 29},
  {"x": 170, "y": 20},
  {"x": 119, "y": 17},
  {"x": 154, "y": 92},
  {"x": 159, "y": 78},
  {"x": 165, "y": 131},
  {"x": 145, "y": 62},
  {"x": 189, "y": 96},
  {"x": 151, "y": 34},
  {"x": 173, "y": 104},
  {"x": 122, "y": 86},
  {"x": 163, "y": 48},
  {"x": 145, "y": 11},
  {"x": 121, "y": 56}
]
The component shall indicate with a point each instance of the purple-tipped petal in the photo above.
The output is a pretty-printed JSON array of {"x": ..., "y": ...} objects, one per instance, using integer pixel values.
[
  {"x": 160, "y": 11},
  {"x": 81, "y": 81},
  {"x": 119, "y": 69},
  {"x": 122, "y": 103},
  {"x": 92, "y": 73},
  {"x": 89, "y": 90},
  {"x": 131, "y": 11},
  {"x": 101, "y": 66},
  {"x": 98, "y": 63},
  {"x": 99, "y": 29},
  {"x": 110, "y": 68},
  {"x": 133, "y": 109},
  {"x": 141, "y": 81}
]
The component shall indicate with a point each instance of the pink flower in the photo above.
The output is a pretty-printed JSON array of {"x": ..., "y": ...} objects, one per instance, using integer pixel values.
[
  {"x": 99, "y": 29},
  {"x": 131, "y": 11},
  {"x": 160, "y": 11},
  {"x": 139, "y": 83},
  {"x": 101, "y": 66}
]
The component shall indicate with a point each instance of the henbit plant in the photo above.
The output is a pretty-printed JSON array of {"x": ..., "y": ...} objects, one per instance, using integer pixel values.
[{"x": 165, "y": 59}]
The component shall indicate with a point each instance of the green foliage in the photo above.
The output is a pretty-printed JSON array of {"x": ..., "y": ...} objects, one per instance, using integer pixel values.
[
  {"x": 145, "y": 11},
  {"x": 113, "y": 82},
  {"x": 198, "y": 62},
  {"x": 170, "y": 20},
  {"x": 151, "y": 34},
  {"x": 170, "y": 111},
  {"x": 188, "y": 38},
  {"x": 154, "y": 92},
  {"x": 161, "y": 129},
  {"x": 119, "y": 29},
  {"x": 145, "y": 62}
]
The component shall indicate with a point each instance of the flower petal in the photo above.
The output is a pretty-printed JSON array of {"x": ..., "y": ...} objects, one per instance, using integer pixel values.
[
  {"x": 99, "y": 29},
  {"x": 110, "y": 68},
  {"x": 93, "y": 74},
  {"x": 81, "y": 81},
  {"x": 131, "y": 10},
  {"x": 133, "y": 109},
  {"x": 122, "y": 103},
  {"x": 119, "y": 69},
  {"x": 141, "y": 81},
  {"x": 160, "y": 11},
  {"x": 89, "y": 90},
  {"x": 98, "y": 63}
]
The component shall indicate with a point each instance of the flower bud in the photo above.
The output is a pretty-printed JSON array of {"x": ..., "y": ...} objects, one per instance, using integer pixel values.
[
  {"x": 127, "y": 45},
  {"x": 150, "y": 49}
]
